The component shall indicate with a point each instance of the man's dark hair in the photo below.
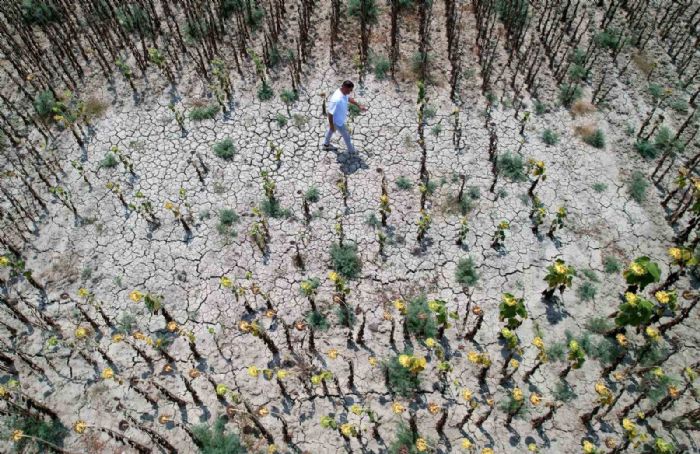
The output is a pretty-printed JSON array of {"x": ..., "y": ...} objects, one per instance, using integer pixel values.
[{"x": 348, "y": 84}]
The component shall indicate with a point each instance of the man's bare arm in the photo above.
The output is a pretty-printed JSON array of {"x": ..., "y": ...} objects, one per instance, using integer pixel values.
[
  {"x": 352, "y": 101},
  {"x": 330, "y": 122}
]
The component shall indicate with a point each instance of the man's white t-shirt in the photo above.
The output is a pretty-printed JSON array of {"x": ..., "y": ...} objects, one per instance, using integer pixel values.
[{"x": 338, "y": 107}]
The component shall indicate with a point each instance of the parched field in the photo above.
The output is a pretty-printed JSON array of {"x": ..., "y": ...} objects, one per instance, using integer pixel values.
[{"x": 507, "y": 264}]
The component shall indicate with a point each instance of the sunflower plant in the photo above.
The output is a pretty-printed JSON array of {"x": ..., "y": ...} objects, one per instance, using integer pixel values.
[
  {"x": 640, "y": 273},
  {"x": 635, "y": 311},
  {"x": 499, "y": 236},
  {"x": 559, "y": 275},
  {"x": 513, "y": 310}
]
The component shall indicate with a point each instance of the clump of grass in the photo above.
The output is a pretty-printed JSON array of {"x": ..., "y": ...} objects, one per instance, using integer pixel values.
[
  {"x": 511, "y": 166},
  {"x": 679, "y": 105},
  {"x": 109, "y": 161},
  {"x": 540, "y": 107},
  {"x": 599, "y": 325},
  {"x": 611, "y": 265},
  {"x": 281, "y": 120},
  {"x": 550, "y": 137},
  {"x": 401, "y": 380},
  {"x": 317, "y": 321},
  {"x": 420, "y": 320},
  {"x": 590, "y": 275},
  {"x": 227, "y": 218},
  {"x": 44, "y": 104},
  {"x": 289, "y": 96},
  {"x": 569, "y": 94},
  {"x": 265, "y": 92},
  {"x": 436, "y": 130},
  {"x": 346, "y": 316},
  {"x": 345, "y": 260},
  {"x": 205, "y": 112},
  {"x": 587, "y": 291},
  {"x": 646, "y": 149},
  {"x": 637, "y": 187},
  {"x": 557, "y": 351},
  {"x": 610, "y": 38},
  {"x": 216, "y": 441},
  {"x": 381, "y": 67},
  {"x": 466, "y": 273},
  {"x": 312, "y": 195},
  {"x": 599, "y": 187},
  {"x": 273, "y": 208},
  {"x": 591, "y": 135},
  {"x": 225, "y": 149},
  {"x": 403, "y": 183},
  {"x": 474, "y": 192}
]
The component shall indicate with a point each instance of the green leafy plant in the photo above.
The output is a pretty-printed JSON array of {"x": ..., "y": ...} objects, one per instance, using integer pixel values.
[
  {"x": 37, "y": 433},
  {"x": 569, "y": 94},
  {"x": 265, "y": 92},
  {"x": 510, "y": 309},
  {"x": 646, "y": 149},
  {"x": 281, "y": 120},
  {"x": 511, "y": 166},
  {"x": 289, "y": 96},
  {"x": 45, "y": 104},
  {"x": 405, "y": 441},
  {"x": 635, "y": 311},
  {"x": 37, "y": 12},
  {"x": 559, "y": 275},
  {"x": 420, "y": 320},
  {"x": 345, "y": 260},
  {"x": 312, "y": 195},
  {"x": 206, "y": 112},
  {"x": 587, "y": 291},
  {"x": 225, "y": 149},
  {"x": 216, "y": 441},
  {"x": 466, "y": 273},
  {"x": 642, "y": 272}
]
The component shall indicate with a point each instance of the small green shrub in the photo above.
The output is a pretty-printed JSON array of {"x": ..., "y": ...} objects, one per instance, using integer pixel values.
[
  {"x": 401, "y": 380},
  {"x": 44, "y": 104},
  {"x": 474, "y": 192},
  {"x": 611, "y": 265},
  {"x": 289, "y": 96},
  {"x": 273, "y": 208},
  {"x": 637, "y": 187},
  {"x": 345, "y": 260},
  {"x": 511, "y": 166},
  {"x": 196, "y": 29},
  {"x": 590, "y": 275},
  {"x": 656, "y": 91},
  {"x": 605, "y": 351},
  {"x": 216, "y": 441},
  {"x": 557, "y": 351},
  {"x": 229, "y": 7},
  {"x": 134, "y": 19},
  {"x": 109, "y": 161},
  {"x": 510, "y": 406},
  {"x": 373, "y": 220},
  {"x": 227, "y": 218},
  {"x": 420, "y": 320},
  {"x": 312, "y": 195},
  {"x": 37, "y": 12},
  {"x": 595, "y": 139},
  {"x": 587, "y": 291},
  {"x": 550, "y": 137},
  {"x": 680, "y": 105},
  {"x": 371, "y": 9},
  {"x": 609, "y": 38},
  {"x": 381, "y": 67},
  {"x": 540, "y": 107},
  {"x": 346, "y": 316},
  {"x": 466, "y": 273},
  {"x": 600, "y": 187},
  {"x": 317, "y": 321},
  {"x": 429, "y": 112},
  {"x": 225, "y": 149},
  {"x": 281, "y": 120},
  {"x": 578, "y": 73},
  {"x": 564, "y": 392},
  {"x": 206, "y": 112},
  {"x": 403, "y": 183},
  {"x": 646, "y": 149},
  {"x": 569, "y": 94},
  {"x": 265, "y": 92},
  {"x": 436, "y": 130}
]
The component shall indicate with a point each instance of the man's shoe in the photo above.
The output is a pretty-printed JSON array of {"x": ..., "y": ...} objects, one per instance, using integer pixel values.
[{"x": 329, "y": 147}]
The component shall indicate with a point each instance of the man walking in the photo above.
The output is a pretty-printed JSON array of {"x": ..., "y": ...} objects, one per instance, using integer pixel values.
[{"x": 337, "y": 110}]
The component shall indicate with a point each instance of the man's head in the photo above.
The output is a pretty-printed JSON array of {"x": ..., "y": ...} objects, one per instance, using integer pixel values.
[{"x": 347, "y": 87}]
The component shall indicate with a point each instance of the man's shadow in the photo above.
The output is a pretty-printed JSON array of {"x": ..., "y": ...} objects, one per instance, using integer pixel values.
[{"x": 349, "y": 162}]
